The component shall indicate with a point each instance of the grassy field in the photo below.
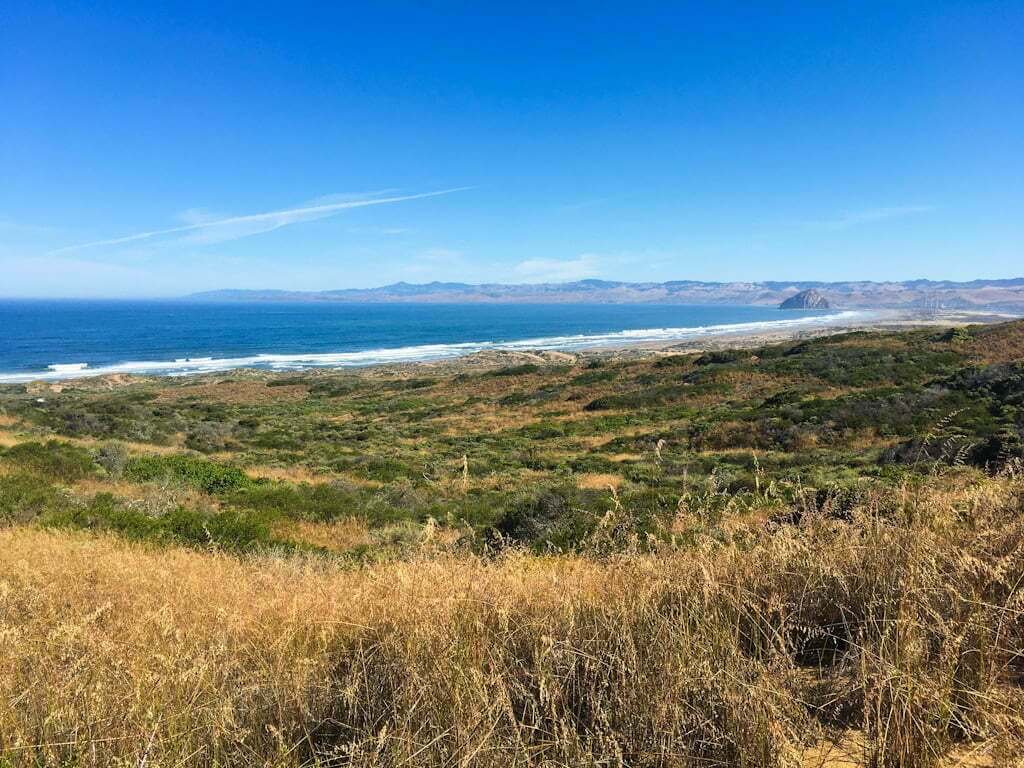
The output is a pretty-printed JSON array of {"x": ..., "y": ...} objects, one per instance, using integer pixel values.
[{"x": 809, "y": 554}]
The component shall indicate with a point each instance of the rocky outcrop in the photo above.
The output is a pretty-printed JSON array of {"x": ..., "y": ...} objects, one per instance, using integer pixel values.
[{"x": 809, "y": 299}]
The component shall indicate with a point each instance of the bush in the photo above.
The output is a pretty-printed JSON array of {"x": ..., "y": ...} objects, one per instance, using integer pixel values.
[
  {"x": 549, "y": 517},
  {"x": 229, "y": 530},
  {"x": 113, "y": 457},
  {"x": 55, "y": 460},
  {"x": 207, "y": 476},
  {"x": 515, "y": 370},
  {"x": 210, "y": 436},
  {"x": 23, "y": 498},
  {"x": 322, "y": 502},
  {"x": 595, "y": 377},
  {"x": 721, "y": 356}
]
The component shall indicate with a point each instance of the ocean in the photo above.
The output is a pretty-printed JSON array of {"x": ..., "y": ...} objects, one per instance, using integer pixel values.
[{"x": 45, "y": 339}]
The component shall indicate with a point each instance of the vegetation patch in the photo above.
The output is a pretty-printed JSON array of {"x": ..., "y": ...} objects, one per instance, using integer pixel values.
[
  {"x": 207, "y": 476},
  {"x": 54, "y": 460}
]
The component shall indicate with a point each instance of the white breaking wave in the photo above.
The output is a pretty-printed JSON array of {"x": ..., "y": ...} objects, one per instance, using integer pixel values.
[
  {"x": 425, "y": 352},
  {"x": 67, "y": 367}
]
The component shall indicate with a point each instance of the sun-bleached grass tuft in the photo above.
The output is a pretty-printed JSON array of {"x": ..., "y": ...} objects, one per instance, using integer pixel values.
[{"x": 903, "y": 624}]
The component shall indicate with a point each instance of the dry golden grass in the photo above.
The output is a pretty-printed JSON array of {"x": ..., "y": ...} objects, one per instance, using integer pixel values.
[
  {"x": 338, "y": 536},
  {"x": 178, "y": 441},
  {"x": 622, "y": 457},
  {"x": 903, "y": 627},
  {"x": 1000, "y": 343},
  {"x": 599, "y": 480},
  {"x": 288, "y": 474}
]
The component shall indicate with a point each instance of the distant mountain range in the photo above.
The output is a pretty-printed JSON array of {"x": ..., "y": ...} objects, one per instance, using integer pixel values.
[{"x": 910, "y": 294}]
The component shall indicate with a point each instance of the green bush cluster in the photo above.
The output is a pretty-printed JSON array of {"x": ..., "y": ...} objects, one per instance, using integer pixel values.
[
  {"x": 24, "y": 497},
  {"x": 55, "y": 460},
  {"x": 201, "y": 474},
  {"x": 229, "y": 529}
]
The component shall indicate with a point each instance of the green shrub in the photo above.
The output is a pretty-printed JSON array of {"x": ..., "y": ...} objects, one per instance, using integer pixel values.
[
  {"x": 230, "y": 529},
  {"x": 595, "y": 377},
  {"x": 113, "y": 457},
  {"x": 210, "y": 437},
  {"x": 23, "y": 497},
  {"x": 403, "y": 384},
  {"x": 320, "y": 502},
  {"x": 515, "y": 370},
  {"x": 530, "y": 398},
  {"x": 207, "y": 476},
  {"x": 548, "y": 517},
  {"x": 720, "y": 356},
  {"x": 674, "y": 361},
  {"x": 959, "y": 335},
  {"x": 55, "y": 460}
]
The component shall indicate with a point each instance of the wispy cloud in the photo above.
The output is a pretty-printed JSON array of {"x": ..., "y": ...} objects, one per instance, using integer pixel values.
[
  {"x": 204, "y": 229},
  {"x": 558, "y": 270},
  {"x": 869, "y": 216}
]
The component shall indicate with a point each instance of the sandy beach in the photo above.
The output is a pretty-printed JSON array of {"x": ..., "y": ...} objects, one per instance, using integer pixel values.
[{"x": 869, "y": 320}]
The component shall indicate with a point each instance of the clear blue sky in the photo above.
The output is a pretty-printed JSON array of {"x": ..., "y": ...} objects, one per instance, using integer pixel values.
[{"x": 639, "y": 141}]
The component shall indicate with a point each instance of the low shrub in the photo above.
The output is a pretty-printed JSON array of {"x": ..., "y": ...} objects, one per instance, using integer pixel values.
[
  {"x": 113, "y": 457},
  {"x": 595, "y": 377},
  {"x": 202, "y": 474},
  {"x": 55, "y": 460},
  {"x": 553, "y": 517},
  {"x": 515, "y": 370},
  {"x": 322, "y": 502},
  {"x": 229, "y": 530},
  {"x": 23, "y": 497}
]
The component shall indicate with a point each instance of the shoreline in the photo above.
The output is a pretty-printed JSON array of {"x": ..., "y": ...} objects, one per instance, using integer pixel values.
[
  {"x": 872, "y": 320},
  {"x": 555, "y": 350}
]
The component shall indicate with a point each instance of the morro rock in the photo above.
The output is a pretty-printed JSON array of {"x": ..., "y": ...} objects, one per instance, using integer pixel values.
[{"x": 809, "y": 299}]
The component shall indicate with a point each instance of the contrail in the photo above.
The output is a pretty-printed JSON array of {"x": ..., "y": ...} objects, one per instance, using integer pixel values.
[{"x": 277, "y": 218}]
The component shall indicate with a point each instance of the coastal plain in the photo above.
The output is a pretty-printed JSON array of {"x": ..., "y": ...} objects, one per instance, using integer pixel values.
[{"x": 764, "y": 552}]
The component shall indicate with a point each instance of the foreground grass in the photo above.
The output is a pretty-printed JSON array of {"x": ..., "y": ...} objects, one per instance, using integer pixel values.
[{"x": 901, "y": 624}]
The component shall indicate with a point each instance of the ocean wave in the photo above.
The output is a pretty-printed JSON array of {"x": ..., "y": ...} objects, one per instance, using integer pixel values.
[{"x": 187, "y": 366}]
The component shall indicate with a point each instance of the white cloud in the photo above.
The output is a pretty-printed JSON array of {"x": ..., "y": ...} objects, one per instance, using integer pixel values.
[
  {"x": 204, "y": 230},
  {"x": 558, "y": 270},
  {"x": 199, "y": 216}
]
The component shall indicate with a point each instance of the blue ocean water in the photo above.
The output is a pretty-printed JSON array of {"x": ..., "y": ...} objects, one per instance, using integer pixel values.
[{"x": 61, "y": 339}]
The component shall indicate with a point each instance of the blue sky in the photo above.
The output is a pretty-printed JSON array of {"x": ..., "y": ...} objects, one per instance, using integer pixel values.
[{"x": 153, "y": 149}]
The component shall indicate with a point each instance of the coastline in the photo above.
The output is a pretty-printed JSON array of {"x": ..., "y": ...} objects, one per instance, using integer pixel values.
[
  {"x": 867, "y": 320},
  {"x": 457, "y": 358}
]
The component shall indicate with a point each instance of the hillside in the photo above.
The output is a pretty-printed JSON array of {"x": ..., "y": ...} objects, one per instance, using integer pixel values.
[
  {"x": 795, "y": 555},
  {"x": 993, "y": 295}
]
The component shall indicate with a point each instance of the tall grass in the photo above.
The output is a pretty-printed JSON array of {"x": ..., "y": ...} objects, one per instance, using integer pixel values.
[{"x": 903, "y": 622}]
